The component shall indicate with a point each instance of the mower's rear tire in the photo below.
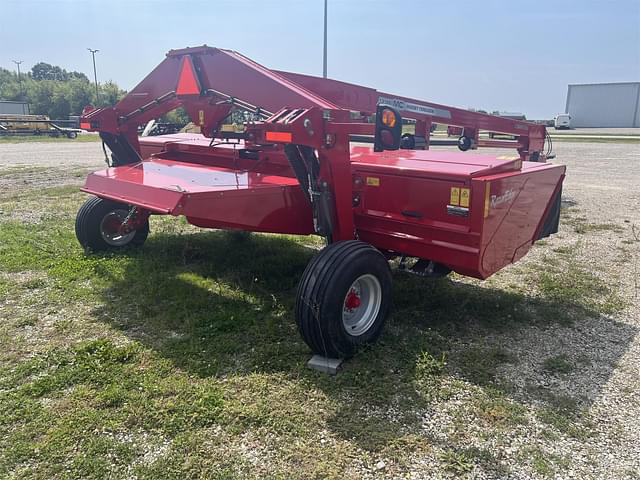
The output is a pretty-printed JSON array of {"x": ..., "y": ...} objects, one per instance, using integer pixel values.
[
  {"x": 92, "y": 226},
  {"x": 343, "y": 298}
]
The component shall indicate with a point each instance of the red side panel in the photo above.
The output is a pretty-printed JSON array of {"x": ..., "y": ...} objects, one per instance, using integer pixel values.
[
  {"x": 405, "y": 207},
  {"x": 213, "y": 197},
  {"x": 517, "y": 204}
]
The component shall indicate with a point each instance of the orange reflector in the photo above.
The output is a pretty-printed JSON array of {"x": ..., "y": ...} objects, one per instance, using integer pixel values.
[
  {"x": 85, "y": 126},
  {"x": 278, "y": 137},
  {"x": 388, "y": 118},
  {"x": 187, "y": 82}
]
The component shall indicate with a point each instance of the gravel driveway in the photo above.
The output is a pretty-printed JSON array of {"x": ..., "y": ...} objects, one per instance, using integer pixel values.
[{"x": 602, "y": 194}]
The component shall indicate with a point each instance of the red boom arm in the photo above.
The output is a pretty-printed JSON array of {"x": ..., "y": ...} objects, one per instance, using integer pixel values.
[
  {"x": 209, "y": 82},
  {"x": 530, "y": 136}
]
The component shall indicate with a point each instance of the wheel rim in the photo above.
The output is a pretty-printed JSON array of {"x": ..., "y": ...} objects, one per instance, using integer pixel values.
[
  {"x": 110, "y": 226},
  {"x": 361, "y": 305}
]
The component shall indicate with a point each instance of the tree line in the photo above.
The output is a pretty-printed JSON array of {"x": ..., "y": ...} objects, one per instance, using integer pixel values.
[{"x": 53, "y": 91}]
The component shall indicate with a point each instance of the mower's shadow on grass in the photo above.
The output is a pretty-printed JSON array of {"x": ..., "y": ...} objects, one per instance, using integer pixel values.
[{"x": 218, "y": 305}]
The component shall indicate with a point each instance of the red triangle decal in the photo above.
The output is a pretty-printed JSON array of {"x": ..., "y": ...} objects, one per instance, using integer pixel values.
[{"x": 188, "y": 82}]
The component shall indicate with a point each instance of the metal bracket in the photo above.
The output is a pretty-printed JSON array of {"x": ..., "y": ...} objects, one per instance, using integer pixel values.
[{"x": 324, "y": 364}]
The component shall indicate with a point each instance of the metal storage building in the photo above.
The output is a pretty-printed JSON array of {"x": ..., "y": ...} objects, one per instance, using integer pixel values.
[
  {"x": 604, "y": 104},
  {"x": 14, "y": 108}
]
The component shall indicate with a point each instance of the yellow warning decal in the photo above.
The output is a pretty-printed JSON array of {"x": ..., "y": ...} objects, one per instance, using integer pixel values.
[
  {"x": 373, "y": 181},
  {"x": 455, "y": 196},
  {"x": 464, "y": 197},
  {"x": 508, "y": 157},
  {"x": 201, "y": 117}
]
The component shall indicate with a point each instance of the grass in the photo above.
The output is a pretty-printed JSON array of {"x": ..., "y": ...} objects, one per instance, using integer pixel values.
[
  {"x": 23, "y": 169},
  {"x": 558, "y": 364},
  {"x": 584, "y": 227},
  {"x": 564, "y": 278},
  {"x": 182, "y": 359},
  {"x": 456, "y": 462},
  {"x": 481, "y": 363},
  {"x": 581, "y": 225},
  {"x": 46, "y": 139},
  {"x": 543, "y": 463}
]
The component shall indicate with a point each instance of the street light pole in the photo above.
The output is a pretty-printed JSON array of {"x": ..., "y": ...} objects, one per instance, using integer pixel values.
[
  {"x": 324, "y": 54},
  {"x": 95, "y": 75},
  {"x": 19, "y": 78}
]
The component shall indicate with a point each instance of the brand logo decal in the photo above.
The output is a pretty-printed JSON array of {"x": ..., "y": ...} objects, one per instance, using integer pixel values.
[
  {"x": 413, "y": 107},
  {"x": 506, "y": 197}
]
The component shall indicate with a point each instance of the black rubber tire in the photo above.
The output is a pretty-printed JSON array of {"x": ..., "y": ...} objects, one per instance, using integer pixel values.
[
  {"x": 71, "y": 135},
  {"x": 408, "y": 141},
  {"x": 464, "y": 143},
  {"x": 321, "y": 292},
  {"x": 88, "y": 223}
]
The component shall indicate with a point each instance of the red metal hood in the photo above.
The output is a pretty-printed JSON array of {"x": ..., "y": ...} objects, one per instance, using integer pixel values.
[
  {"x": 162, "y": 185},
  {"x": 431, "y": 163}
]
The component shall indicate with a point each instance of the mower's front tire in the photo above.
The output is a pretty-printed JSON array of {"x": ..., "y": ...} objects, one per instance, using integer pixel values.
[
  {"x": 97, "y": 222},
  {"x": 343, "y": 298}
]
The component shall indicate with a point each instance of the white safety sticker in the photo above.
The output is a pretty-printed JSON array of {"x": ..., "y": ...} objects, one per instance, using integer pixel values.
[{"x": 413, "y": 107}]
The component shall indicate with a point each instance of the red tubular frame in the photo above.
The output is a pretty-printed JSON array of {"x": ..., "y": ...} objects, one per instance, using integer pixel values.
[
  {"x": 227, "y": 77},
  {"x": 530, "y": 136},
  {"x": 191, "y": 177}
]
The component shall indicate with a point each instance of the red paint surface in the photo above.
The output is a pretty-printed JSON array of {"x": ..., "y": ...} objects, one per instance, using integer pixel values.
[
  {"x": 352, "y": 301},
  {"x": 402, "y": 209}
]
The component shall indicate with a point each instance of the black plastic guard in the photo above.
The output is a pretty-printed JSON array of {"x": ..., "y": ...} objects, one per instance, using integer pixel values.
[
  {"x": 552, "y": 219},
  {"x": 122, "y": 153}
]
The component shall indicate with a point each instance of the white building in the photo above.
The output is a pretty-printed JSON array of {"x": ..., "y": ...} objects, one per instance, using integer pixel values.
[{"x": 604, "y": 105}]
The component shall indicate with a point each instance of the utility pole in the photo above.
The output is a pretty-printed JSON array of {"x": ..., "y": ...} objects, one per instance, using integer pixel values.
[
  {"x": 324, "y": 55},
  {"x": 19, "y": 77},
  {"x": 95, "y": 75}
]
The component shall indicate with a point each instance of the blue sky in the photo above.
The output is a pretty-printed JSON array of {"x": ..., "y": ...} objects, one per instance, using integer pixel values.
[{"x": 514, "y": 55}]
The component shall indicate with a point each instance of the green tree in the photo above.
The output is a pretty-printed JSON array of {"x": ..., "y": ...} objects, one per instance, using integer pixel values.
[
  {"x": 45, "y": 71},
  {"x": 9, "y": 87},
  {"x": 179, "y": 116},
  {"x": 110, "y": 93},
  {"x": 53, "y": 91}
]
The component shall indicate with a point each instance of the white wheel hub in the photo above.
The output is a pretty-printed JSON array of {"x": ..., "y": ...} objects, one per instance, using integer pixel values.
[{"x": 110, "y": 228}]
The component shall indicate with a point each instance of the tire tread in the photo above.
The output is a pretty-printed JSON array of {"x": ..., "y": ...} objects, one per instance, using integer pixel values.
[
  {"x": 321, "y": 273},
  {"x": 88, "y": 222}
]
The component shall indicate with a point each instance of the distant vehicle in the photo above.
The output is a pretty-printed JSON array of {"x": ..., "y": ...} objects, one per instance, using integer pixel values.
[
  {"x": 10, "y": 107},
  {"x": 25, "y": 123},
  {"x": 35, "y": 125},
  {"x": 511, "y": 115},
  {"x": 562, "y": 121}
]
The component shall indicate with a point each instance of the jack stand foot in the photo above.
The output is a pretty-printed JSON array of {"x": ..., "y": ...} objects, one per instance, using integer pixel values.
[{"x": 324, "y": 364}]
